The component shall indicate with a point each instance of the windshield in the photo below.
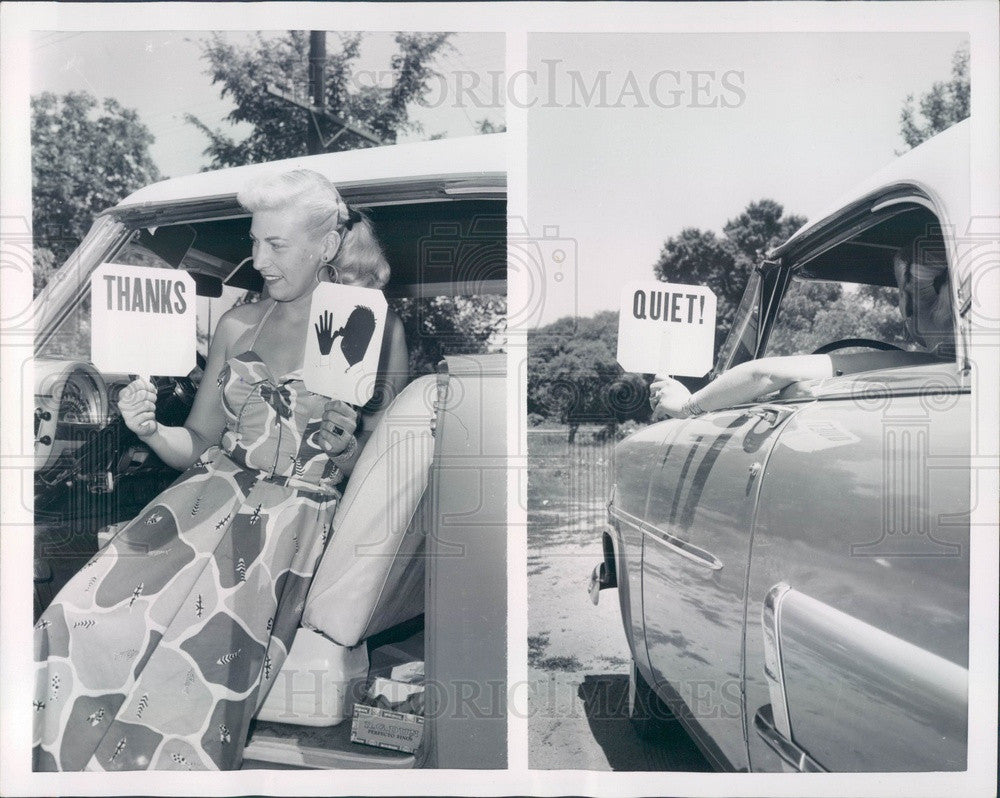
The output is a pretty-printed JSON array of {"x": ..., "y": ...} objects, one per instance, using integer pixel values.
[
  {"x": 71, "y": 339},
  {"x": 741, "y": 343}
]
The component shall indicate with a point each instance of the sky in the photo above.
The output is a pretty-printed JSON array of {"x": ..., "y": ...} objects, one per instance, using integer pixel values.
[
  {"x": 814, "y": 113},
  {"x": 819, "y": 113},
  {"x": 162, "y": 75}
]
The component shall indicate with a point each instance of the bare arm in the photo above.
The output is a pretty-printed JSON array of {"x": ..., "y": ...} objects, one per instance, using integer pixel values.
[
  {"x": 741, "y": 384},
  {"x": 180, "y": 446}
]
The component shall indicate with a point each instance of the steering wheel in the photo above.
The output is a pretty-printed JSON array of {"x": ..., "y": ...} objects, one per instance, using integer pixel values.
[
  {"x": 869, "y": 343},
  {"x": 185, "y": 388}
]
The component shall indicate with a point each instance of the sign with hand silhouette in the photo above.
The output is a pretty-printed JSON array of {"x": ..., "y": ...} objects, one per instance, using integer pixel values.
[{"x": 343, "y": 341}]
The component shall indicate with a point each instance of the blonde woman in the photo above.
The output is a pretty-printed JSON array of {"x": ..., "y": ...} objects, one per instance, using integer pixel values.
[{"x": 158, "y": 653}]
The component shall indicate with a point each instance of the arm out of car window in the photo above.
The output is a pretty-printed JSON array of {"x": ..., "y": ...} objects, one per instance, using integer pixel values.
[{"x": 743, "y": 383}]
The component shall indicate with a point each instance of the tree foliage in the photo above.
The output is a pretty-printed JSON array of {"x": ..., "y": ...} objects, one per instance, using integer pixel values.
[
  {"x": 945, "y": 104},
  {"x": 86, "y": 156},
  {"x": 278, "y": 129},
  {"x": 574, "y": 376},
  {"x": 724, "y": 263},
  {"x": 441, "y": 325},
  {"x": 813, "y": 314}
]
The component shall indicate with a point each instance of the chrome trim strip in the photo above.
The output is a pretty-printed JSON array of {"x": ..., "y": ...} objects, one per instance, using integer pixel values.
[
  {"x": 789, "y": 752},
  {"x": 686, "y": 550},
  {"x": 771, "y": 622}
]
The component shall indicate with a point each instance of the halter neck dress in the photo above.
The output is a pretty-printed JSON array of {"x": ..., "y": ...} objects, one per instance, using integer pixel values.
[{"x": 158, "y": 653}]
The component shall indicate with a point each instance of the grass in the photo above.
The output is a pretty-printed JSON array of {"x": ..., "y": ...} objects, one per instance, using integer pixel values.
[
  {"x": 568, "y": 485},
  {"x": 566, "y": 482},
  {"x": 536, "y": 649}
]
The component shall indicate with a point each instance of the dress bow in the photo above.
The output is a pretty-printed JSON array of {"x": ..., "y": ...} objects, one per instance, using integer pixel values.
[{"x": 278, "y": 397}]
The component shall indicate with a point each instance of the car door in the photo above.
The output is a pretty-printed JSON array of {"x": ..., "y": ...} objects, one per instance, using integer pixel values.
[
  {"x": 857, "y": 623},
  {"x": 696, "y": 551}
]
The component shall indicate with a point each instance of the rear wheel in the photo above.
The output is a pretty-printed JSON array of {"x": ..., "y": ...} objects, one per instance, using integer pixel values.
[{"x": 647, "y": 712}]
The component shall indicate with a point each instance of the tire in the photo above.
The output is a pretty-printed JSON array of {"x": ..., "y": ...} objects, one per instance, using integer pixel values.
[{"x": 648, "y": 714}]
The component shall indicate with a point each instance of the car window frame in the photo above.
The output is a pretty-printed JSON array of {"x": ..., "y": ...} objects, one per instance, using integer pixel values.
[{"x": 777, "y": 268}]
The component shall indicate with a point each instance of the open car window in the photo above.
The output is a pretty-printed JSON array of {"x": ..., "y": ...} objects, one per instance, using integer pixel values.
[
  {"x": 814, "y": 313},
  {"x": 840, "y": 293}
]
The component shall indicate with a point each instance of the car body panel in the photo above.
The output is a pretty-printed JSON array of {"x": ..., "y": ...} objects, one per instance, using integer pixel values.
[
  {"x": 694, "y": 567},
  {"x": 834, "y": 539},
  {"x": 466, "y": 584},
  {"x": 882, "y": 539},
  {"x": 637, "y": 460},
  {"x": 449, "y": 159},
  {"x": 897, "y": 706},
  {"x": 939, "y": 168}
]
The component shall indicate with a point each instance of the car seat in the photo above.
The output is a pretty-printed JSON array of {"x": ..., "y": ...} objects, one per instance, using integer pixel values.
[{"x": 371, "y": 576}]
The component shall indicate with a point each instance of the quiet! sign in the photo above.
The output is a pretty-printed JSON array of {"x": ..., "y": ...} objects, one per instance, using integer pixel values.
[
  {"x": 142, "y": 320},
  {"x": 666, "y": 328}
]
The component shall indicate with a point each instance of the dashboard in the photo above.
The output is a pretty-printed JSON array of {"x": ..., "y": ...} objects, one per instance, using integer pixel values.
[{"x": 72, "y": 400}]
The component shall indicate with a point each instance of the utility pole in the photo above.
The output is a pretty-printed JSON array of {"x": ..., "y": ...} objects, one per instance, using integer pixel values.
[
  {"x": 315, "y": 142},
  {"x": 317, "y": 88}
]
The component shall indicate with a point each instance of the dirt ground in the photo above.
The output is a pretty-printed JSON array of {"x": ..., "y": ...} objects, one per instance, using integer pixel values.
[{"x": 577, "y": 653}]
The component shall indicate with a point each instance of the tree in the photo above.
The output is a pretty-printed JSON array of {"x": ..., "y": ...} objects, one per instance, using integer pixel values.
[
  {"x": 944, "y": 105},
  {"x": 86, "y": 156},
  {"x": 436, "y": 326},
  {"x": 813, "y": 314},
  {"x": 700, "y": 257},
  {"x": 574, "y": 376},
  {"x": 484, "y": 126},
  {"x": 278, "y": 130}
]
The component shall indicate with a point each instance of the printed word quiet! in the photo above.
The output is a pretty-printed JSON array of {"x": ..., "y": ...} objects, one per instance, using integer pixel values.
[{"x": 668, "y": 306}]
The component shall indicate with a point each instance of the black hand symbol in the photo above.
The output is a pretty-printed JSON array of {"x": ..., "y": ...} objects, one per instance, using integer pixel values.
[{"x": 324, "y": 337}]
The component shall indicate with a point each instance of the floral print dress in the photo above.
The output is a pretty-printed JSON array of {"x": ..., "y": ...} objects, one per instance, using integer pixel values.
[{"x": 158, "y": 653}]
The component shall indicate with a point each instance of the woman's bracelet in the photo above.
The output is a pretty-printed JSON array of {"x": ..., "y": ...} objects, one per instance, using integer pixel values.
[{"x": 345, "y": 456}]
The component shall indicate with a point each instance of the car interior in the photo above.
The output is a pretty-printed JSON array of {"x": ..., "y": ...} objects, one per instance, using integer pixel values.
[
  {"x": 364, "y": 614},
  {"x": 858, "y": 255}
]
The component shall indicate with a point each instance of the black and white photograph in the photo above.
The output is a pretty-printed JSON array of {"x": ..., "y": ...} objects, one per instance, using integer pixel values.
[
  {"x": 235, "y": 542},
  {"x": 512, "y": 398},
  {"x": 781, "y": 528}
]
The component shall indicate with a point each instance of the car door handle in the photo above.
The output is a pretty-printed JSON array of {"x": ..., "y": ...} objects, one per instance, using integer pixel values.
[
  {"x": 770, "y": 415},
  {"x": 790, "y": 753}
]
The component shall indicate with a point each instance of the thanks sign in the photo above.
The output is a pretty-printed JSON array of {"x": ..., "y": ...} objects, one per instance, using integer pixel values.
[{"x": 142, "y": 320}]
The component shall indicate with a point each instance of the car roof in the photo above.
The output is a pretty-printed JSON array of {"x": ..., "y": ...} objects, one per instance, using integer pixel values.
[
  {"x": 423, "y": 160},
  {"x": 939, "y": 168}
]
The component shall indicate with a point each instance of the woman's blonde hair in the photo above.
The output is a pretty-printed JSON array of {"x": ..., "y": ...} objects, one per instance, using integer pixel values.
[{"x": 360, "y": 259}]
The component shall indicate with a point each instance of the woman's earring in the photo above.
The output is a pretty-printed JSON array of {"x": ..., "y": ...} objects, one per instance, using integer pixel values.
[{"x": 331, "y": 273}]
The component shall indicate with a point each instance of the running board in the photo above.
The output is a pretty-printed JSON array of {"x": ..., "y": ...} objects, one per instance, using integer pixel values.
[{"x": 287, "y": 751}]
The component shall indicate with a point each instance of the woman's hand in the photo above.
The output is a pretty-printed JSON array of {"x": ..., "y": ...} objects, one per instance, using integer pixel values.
[
  {"x": 667, "y": 397},
  {"x": 137, "y": 404},
  {"x": 337, "y": 428}
]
